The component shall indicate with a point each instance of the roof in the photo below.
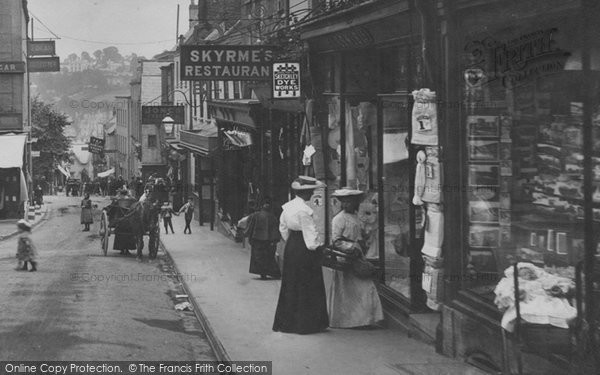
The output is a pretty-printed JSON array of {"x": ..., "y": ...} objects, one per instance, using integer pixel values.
[{"x": 12, "y": 147}]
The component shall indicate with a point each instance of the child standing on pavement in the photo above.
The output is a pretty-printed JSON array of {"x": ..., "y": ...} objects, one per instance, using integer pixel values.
[
  {"x": 26, "y": 250},
  {"x": 167, "y": 213}
]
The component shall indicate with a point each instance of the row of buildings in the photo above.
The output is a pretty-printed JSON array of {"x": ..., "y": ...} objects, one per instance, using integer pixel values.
[
  {"x": 15, "y": 163},
  {"x": 498, "y": 161}
]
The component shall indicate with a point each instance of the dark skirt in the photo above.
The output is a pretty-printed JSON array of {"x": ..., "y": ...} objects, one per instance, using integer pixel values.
[
  {"x": 86, "y": 216},
  {"x": 126, "y": 240},
  {"x": 302, "y": 305},
  {"x": 262, "y": 258}
]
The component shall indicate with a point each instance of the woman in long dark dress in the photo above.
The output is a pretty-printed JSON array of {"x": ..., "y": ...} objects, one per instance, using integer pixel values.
[
  {"x": 302, "y": 305},
  {"x": 263, "y": 234}
]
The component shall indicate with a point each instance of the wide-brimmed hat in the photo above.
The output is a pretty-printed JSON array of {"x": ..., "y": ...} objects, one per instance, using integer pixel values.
[
  {"x": 306, "y": 183},
  {"x": 24, "y": 224},
  {"x": 347, "y": 192}
]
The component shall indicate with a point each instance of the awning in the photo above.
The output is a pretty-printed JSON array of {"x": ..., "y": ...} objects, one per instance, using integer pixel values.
[
  {"x": 106, "y": 173},
  {"x": 63, "y": 171},
  {"x": 11, "y": 150}
]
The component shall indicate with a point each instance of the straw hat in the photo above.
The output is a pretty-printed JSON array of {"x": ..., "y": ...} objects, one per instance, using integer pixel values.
[
  {"x": 347, "y": 192},
  {"x": 24, "y": 224},
  {"x": 306, "y": 183}
]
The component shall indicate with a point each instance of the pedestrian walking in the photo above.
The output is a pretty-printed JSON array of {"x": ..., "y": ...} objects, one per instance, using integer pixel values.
[
  {"x": 86, "y": 213},
  {"x": 353, "y": 301},
  {"x": 26, "y": 251},
  {"x": 188, "y": 210},
  {"x": 263, "y": 233},
  {"x": 38, "y": 195},
  {"x": 302, "y": 304},
  {"x": 167, "y": 213}
]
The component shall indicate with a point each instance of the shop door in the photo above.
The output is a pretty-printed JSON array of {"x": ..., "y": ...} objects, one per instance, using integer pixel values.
[
  {"x": 205, "y": 185},
  {"x": 399, "y": 245}
]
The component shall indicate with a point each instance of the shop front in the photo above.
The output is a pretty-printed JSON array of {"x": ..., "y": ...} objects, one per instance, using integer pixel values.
[
  {"x": 13, "y": 186},
  {"x": 365, "y": 63},
  {"x": 522, "y": 157},
  {"x": 199, "y": 171}
]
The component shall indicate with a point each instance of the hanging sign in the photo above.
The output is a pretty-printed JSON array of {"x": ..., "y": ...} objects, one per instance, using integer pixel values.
[
  {"x": 35, "y": 154},
  {"x": 41, "y": 48},
  {"x": 154, "y": 114},
  {"x": 96, "y": 145},
  {"x": 43, "y": 64},
  {"x": 226, "y": 63},
  {"x": 286, "y": 80}
]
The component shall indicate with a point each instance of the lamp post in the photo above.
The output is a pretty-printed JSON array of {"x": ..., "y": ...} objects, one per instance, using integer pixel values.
[{"x": 168, "y": 123}]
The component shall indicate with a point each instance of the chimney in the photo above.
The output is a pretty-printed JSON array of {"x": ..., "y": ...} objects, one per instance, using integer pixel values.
[
  {"x": 203, "y": 14},
  {"x": 193, "y": 14}
]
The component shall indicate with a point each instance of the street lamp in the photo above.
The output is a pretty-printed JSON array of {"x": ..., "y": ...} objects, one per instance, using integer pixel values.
[{"x": 168, "y": 124}]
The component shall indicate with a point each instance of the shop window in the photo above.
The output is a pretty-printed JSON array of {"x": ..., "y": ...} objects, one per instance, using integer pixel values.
[
  {"x": 360, "y": 72},
  {"x": 524, "y": 196},
  {"x": 396, "y": 195},
  {"x": 393, "y": 68},
  {"x": 152, "y": 140}
]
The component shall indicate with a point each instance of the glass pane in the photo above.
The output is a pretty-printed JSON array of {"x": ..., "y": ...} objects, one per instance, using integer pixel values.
[
  {"x": 396, "y": 196},
  {"x": 524, "y": 165}
]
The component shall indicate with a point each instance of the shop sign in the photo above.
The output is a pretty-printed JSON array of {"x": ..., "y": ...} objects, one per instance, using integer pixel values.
[
  {"x": 41, "y": 47},
  {"x": 528, "y": 56},
  {"x": 154, "y": 114},
  {"x": 286, "y": 80},
  {"x": 12, "y": 67},
  {"x": 35, "y": 154},
  {"x": 43, "y": 64},
  {"x": 96, "y": 145},
  {"x": 226, "y": 63}
]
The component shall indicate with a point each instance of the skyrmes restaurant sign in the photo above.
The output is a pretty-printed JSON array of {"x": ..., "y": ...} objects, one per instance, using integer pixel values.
[{"x": 226, "y": 63}]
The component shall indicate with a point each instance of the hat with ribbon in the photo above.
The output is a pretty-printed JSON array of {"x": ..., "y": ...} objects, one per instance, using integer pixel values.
[
  {"x": 347, "y": 192},
  {"x": 306, "y": 183}
]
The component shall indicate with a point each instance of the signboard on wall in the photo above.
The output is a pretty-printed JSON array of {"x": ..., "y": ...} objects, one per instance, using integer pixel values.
[
  {"x": 96, "y": 145},
  {"x": 41, "y": 47},
  {"x": 43, "y": 64},
  {"x": 154, "y": 114},
  {"x": 286, "y": 80},
  {"x": 226, "y": 63},
  {"x": 12, "y": 67}
]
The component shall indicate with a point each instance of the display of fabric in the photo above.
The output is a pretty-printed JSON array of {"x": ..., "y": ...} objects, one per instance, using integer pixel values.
[{"x": 543, "y": 297}]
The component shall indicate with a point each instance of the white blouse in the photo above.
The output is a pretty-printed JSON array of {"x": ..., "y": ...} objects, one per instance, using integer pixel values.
[{"x": 297, "y": 216}]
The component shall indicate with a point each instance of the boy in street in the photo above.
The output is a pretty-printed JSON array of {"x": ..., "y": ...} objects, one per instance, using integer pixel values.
[
  {"x": 167, "y": 213},
  {"x": 188, "y": 210}
]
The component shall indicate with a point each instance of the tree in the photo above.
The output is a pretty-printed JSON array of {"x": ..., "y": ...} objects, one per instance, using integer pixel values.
[
  {"x": 98, "y": 57},
  {"x": 48, "y": 127},
  {"x": 85, "y": 56},
  {"x": 112, "y": 54}
]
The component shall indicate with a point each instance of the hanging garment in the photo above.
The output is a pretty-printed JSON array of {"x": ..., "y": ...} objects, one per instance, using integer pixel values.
[
  {"x": 434, "y": 231},
  {"x": 433, "y": 181},
  {"x": 424, "y": 118}
]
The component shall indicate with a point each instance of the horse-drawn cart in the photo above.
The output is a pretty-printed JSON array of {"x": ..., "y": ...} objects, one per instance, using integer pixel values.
[{"x": 128, "y": 218}]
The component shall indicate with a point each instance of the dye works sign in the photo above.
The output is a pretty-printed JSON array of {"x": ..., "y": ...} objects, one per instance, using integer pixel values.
[
  {"x": 226, "y": 63},
  {"x": 286, "y": 80}
]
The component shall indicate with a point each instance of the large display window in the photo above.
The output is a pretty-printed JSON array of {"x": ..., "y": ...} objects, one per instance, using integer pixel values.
[{"x": 523, "y": 145}]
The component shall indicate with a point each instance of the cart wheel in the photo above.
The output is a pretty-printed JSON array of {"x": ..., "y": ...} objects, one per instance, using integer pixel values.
[
  {"x": 154, "y": 241},
  {"x": 104, "y": 232}
]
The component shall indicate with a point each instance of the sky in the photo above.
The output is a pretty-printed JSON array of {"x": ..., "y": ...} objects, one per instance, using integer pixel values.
[{"x": 146, "y": 27}]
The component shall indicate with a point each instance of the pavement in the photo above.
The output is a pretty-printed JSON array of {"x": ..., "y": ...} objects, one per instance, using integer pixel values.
[
  {"x": 8, "y": 227},
  {"x": 239, "y": 308}
]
